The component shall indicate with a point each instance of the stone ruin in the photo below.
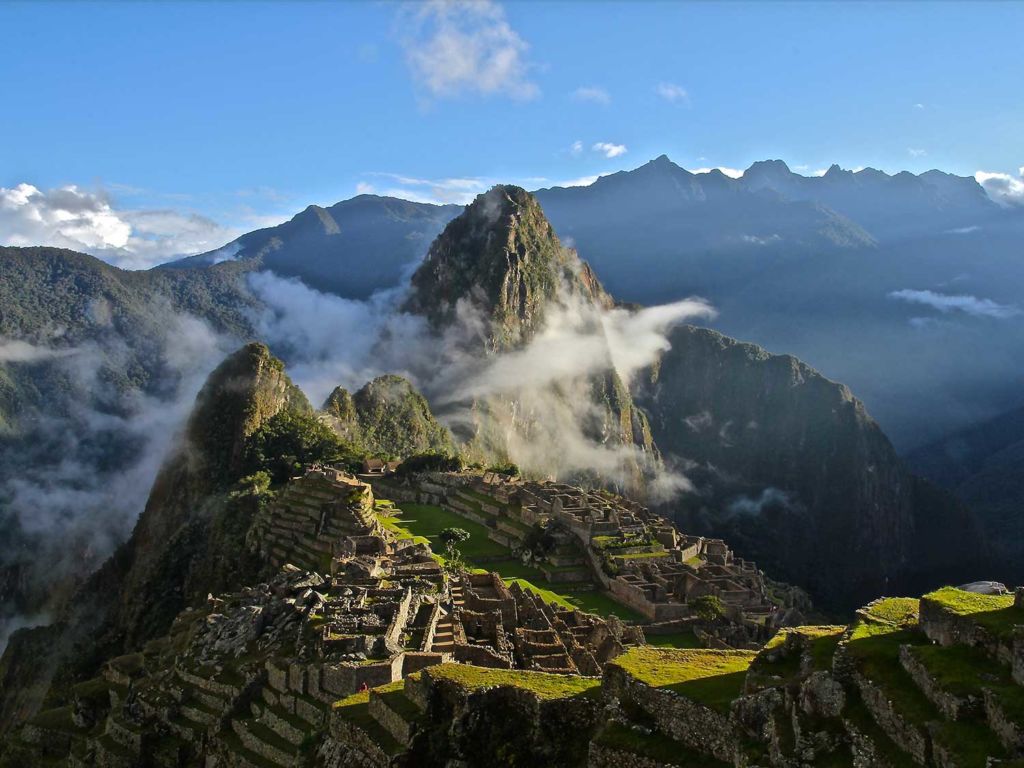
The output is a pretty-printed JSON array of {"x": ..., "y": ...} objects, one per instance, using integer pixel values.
[
  {"x": 249, "y": 678},
  {"x": 642, "y": 560}
]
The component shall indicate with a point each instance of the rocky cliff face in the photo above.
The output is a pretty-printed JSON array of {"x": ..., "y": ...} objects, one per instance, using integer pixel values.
[
  {"x": 188, "y": 541},
  {"x": 794, "y": 470},
  {"x": 494, "y": 279},
  {"x": 984, "y": 467},
  {"x": 388, "y": 417},
  {"x": 502, "y": 257}
]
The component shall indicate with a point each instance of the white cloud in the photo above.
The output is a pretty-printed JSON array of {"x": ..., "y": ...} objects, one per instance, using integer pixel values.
[
  {"x": 576, "y": 148},
  {"x": 672, "y": 93},
  {"x": 363, "y": 188},
  {"x": 70, "y": 217},
  {"x": 1002, "y": 187},
  {"x": 438, "y": 191},
  {"x": 466, "y": 46},
  {"x": 919, "y": 105},
  {"x": 610, "y": 150},
  {"x": 946, "y": 303},
  {"x": 732, "y": 173},
  {"x": 582, "y": 181},
  {"x": 18, "y": 351},
  {"x": 916, "y": 152},
  {"x": 593, "y": 94}
]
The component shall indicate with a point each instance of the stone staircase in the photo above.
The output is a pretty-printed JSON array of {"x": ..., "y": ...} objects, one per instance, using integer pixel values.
[{"x": 444, "y": 633}]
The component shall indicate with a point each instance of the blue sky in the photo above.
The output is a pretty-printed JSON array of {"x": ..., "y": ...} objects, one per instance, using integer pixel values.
[{"x": 240, "y": 114}]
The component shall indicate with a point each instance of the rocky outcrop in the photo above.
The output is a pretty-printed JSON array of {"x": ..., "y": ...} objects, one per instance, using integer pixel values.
[
  {"x": 491, "y": 282},
  {"x": 502, "y": 257},
  {"x": 795, "y": 472},
  {"x": 388, "y": 417}
]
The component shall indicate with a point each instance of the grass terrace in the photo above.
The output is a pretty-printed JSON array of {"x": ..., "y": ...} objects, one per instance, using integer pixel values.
[
  {"x": 356, "y": 710},
  {"x": 964, "y": 671},
  {"x": 543, "y": 684},
  {"x": 996, "y": 613},
  {"x": 424, "y": 522},
  {"x": 711, "y": 678},
  {"x": 674, "y": 640},
  {"x": 654, "y": 746}
]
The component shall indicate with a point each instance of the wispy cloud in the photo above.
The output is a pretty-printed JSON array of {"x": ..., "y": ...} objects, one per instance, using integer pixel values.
[
  {"x": 457, "y": 47},
  {"x": 88, "y": 221},
  {"x": 672, "y": 92},
  {"x": 592, "y": 94},
  {"x": 1004, "y": 188},
  {"x": 947, "y": 303},
  {"x": 576, "y": 149},
  {"x": 916, "y": 152},
  {"x": 733, "y": 173},
  {"x": 609, "y": 150}
]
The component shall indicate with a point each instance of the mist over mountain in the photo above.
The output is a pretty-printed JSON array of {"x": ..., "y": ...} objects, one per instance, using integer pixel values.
[
  {"x": 351, "y": 249},
  {"x": 880, "y": 281},
  {"x": 515, "y": 343}
]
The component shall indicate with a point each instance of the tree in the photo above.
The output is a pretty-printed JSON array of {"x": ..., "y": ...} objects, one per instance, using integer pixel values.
[
  {"x": 708, "y": 608},
  {"x": 290, "y": 440},
  {"x": 451, "y": 538}
]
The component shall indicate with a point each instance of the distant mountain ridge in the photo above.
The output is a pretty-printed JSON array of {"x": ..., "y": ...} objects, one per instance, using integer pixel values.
[
  {"x": 352, "y": 248},
  {"x": 368, "y": 242}
]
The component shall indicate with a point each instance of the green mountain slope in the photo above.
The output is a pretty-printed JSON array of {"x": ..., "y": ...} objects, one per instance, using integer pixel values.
[{"x": 388, "y": 417}]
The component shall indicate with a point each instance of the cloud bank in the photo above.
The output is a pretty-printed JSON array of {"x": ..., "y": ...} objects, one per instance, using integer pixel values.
[
  {"x": 70, "y": 217},
  {"x": 1005, "y": 189},
  {"x": 534, "y": 404}
]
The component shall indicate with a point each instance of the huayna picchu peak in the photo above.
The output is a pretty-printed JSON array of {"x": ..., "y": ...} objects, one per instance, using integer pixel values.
[{"x": 503, "y": 256}]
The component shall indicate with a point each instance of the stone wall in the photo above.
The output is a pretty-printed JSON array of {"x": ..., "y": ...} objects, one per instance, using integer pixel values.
[
  {"x": 600, "y": 756},
  {"x": 679, "y": 718}
]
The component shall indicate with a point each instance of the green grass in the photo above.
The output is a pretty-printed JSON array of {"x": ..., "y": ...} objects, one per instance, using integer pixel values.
[
  {"x": 674, "y": 640},
  {"x": 964, "y": 671},
  {"x": 425, "y": 522},
  {"x": 711, "y": 678},
  {"x": 996, "y": 613},
  {"x": 970, "y": 742},
  {"x": 654, "y": 746},
  {"x": 640, "y": 556},
  {"x": 356, "y": 710},
  {"x": 901, "y": 611},
  {"x": 398, "y": 702},
  {"x": 543, "y": 684},
  {"x": 875, "y": 643}
]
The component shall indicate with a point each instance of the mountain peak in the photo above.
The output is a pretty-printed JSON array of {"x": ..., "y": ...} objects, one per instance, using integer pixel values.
[
  {"x": 764, "y": 167},
  {"x": 503, "y": 256}
]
